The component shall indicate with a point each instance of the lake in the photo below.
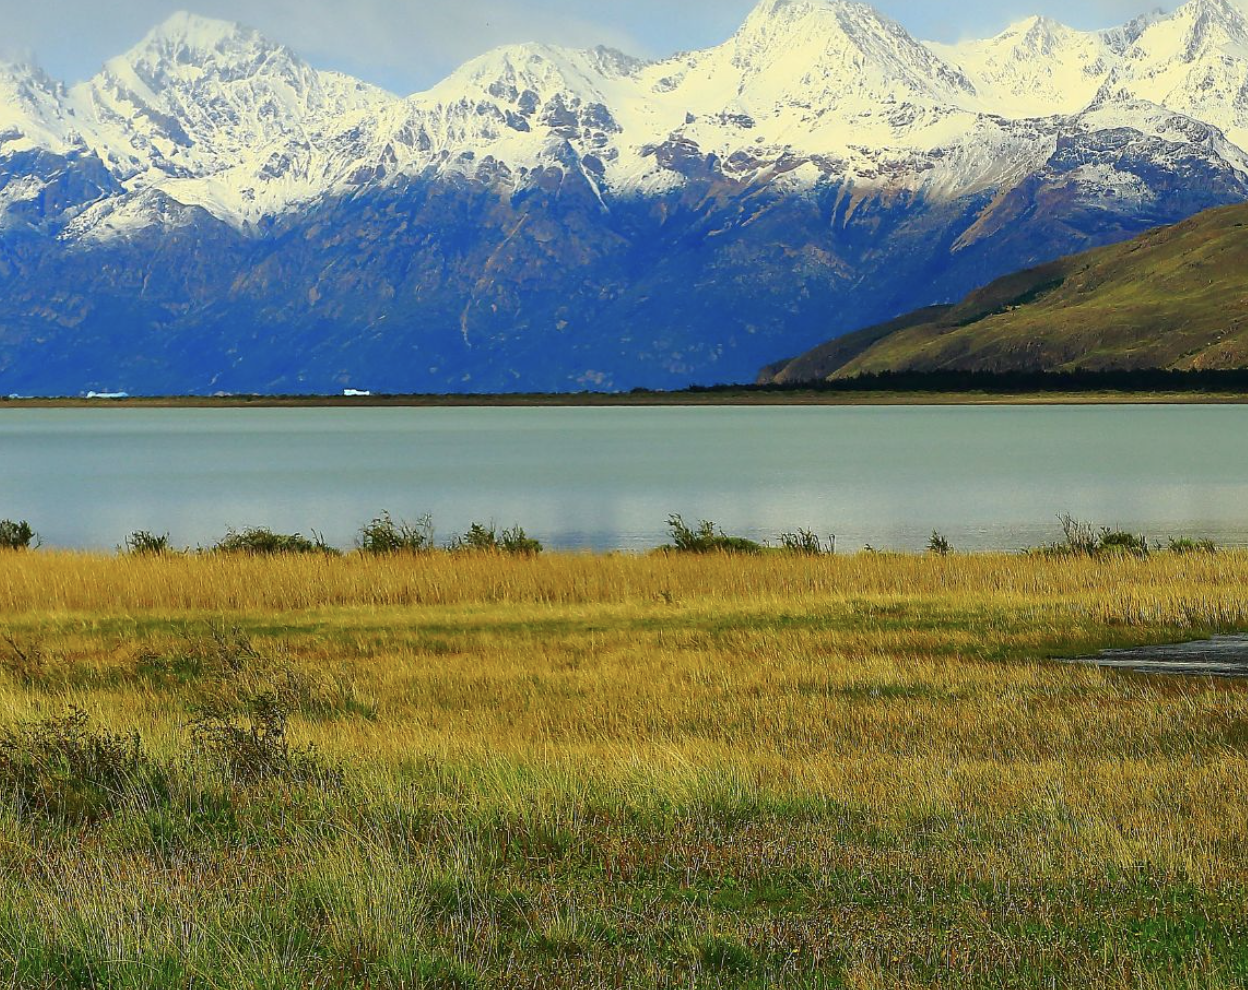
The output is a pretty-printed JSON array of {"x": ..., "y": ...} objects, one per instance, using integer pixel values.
[{"x": 989, "y": 477}]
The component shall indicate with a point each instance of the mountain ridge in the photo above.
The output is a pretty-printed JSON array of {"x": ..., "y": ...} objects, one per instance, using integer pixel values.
[
  {"x": 149, "y": 113},
  {"x": 564, "y": 218}
]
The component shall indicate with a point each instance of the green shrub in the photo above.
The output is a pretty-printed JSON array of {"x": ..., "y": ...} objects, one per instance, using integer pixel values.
[
  {"x": 478, "y": 539},
  {"x": 254, "y": 746},
  {"x": 707, "y": 538},
  {"x": 486, "y": 539},
  {"x": 145, "y": 544},
  {"x": 1120, "y": 542},
  {"x": 939, "y": 546},
  {"x": 60, "y": 768},
  {"x": 17, "y": 535},
  {"x": 806, "y": 543},
  {"x": 383, "y": 536},
  {"x": 1186, "y": 546},
  {"x": 517, "y": 542},
  {"x": 262, "y": 542},
  {"x": 1082, "y": 539}
]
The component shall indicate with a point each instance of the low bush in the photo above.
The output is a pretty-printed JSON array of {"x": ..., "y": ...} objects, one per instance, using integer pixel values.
[
  {"x": 24, "y": 662},
  {"x": 1079, "y": 538},
  {"x": 517, "y": 542},
  {"x": 486, "y": 539},
  {"x": 805, "y": 543},
  {"x": 253, "y": 746},
  {"x": 706, "y": 538},
  {"x": 17, "y": 535},
  {"x": 1121, "y": 542},
  {"x": 939, "y": 546},
  {"x": 1082, "y": 539},
  {"x": 262, "y": 542},
  {"x": 384, "y": 536},
  {"x": 63, "y": 769},
  {"x": 1183, "y": 545},
  {"x": 145, "y": 544}
]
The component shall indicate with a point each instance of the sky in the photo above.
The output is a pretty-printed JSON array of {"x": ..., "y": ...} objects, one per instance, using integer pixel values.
[{"x": 407, "y": 45}]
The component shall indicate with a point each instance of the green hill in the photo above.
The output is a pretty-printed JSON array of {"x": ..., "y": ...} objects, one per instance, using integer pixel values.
[{"x": 1176, "y": 297}]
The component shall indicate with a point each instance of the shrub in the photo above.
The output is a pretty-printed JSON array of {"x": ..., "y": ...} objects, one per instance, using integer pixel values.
[
  {"x": 478, "y": 539},
  {"x": 63, "y": 769},
  {"x": 707, "y": 538},
  {"x": 486, "y": 539},
  {"x": 1082, "y": 539},
  {"x": 938, "y": 545},
  {"x": 17, "y": 535},
  {"x": 1120, "y": 542},
  {"x": 262, "y": 542},
  {"x": 384, "y": 536},
  {"x": 254, "y": 746},
  {"x": 807, "y": 543},
  {"x": 517, "y": 542},
  {"x": 24, "y": 662},
  {"x": 145, "y": 544},
  {"x": 1186, "y": 546}
]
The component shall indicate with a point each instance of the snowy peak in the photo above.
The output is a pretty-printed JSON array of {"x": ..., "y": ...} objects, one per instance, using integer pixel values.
[
  {"x": 506, "y": 74},
  {"x": 189, "y": 61},
  {"x": 189, "y": 39},
  {"x": 1039, "y": 37},
  {"x": 1194, "y": 62},
  {"x": 1120, "y": 39},
  {"x": 32, "y": 111},
  {"x": 217, "y": 114},
  {"x": 1197, "y": 30},
  {"x": 1035, "y": 68},
  {"x": 523, "y": 105},
  {"x": 831, "y": 49}
]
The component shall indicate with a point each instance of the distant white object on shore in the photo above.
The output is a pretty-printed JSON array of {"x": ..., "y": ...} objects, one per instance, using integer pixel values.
[
  {"x": 108, "y": 395},
  {"x": 355, "y": 393}
]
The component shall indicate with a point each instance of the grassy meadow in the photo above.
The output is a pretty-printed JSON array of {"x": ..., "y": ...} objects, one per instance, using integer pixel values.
[{"x": 617, "y": 771}]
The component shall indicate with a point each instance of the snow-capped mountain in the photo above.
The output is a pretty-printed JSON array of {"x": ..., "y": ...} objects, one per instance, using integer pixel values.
[
  {"x": 557, "y": 218},
  {"x": 1037, "y": 67}
]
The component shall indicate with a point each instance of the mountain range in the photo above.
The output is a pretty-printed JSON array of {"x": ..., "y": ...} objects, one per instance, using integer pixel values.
[{"x": 209, "y": 213}]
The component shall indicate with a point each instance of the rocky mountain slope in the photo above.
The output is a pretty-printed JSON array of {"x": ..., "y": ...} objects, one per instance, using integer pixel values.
[
  {"x": 1173, "y": 298},
  {"x": 211, "y": 213}
]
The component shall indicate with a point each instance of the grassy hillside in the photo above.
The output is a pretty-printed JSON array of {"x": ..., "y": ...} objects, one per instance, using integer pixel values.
[
  {"x": 1177, "y": 297},
  {"x": 617, "y": 771}
]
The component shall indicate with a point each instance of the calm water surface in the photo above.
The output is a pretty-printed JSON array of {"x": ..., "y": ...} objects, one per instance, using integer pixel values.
[{"x": 986, "y": 477}]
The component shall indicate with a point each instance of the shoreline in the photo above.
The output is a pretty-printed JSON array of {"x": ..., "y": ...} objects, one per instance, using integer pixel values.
[{"x": 729, "y": 398}]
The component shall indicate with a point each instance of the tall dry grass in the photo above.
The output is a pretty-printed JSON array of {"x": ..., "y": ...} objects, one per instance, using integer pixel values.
[
  {"x": 639, "y": 771},
  {"x": 1163, "y": 589}
]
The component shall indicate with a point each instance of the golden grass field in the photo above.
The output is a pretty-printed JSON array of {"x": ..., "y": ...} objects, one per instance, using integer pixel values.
[{"x": 631, "y": 771}]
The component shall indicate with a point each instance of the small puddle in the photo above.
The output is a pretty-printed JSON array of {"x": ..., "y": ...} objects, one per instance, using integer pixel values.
[{"x": 1223, "y": 656}]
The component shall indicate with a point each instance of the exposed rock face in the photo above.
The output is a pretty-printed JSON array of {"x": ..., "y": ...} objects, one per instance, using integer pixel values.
[{"x": 211, "y": 213}]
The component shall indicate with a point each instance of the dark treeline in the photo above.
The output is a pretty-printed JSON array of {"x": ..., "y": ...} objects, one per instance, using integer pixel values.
[
  {"x": 912, "y": 382},
  {"x": 1015, "y": 382}
]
